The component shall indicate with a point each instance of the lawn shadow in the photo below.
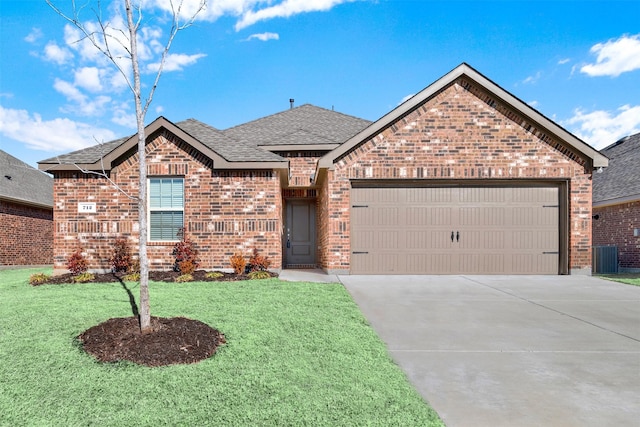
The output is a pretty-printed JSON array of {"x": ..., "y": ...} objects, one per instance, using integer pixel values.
[{"x": 132, "y": 299}]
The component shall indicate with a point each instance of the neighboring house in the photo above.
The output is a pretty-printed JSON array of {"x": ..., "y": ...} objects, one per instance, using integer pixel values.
[
  {"x": 26, "y": 214},
  {"x": 616, "y": 202},
  {"x": 461, "y": 178}
]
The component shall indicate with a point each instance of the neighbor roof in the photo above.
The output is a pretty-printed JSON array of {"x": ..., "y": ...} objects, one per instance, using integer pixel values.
[
  {"x": 597, "y": 159},
  {"x": 620, "y": 182},
  {"x": 22, "y": 183}
]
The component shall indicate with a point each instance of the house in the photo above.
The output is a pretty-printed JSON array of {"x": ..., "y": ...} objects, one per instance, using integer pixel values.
[
  {"x": 26, "y": 214},
  {"x": 616, "y": 202},
  {"x": 461, "y": 178}
]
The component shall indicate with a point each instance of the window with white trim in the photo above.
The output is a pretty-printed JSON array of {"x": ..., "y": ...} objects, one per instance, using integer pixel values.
[{"x": 166, "y": 208}]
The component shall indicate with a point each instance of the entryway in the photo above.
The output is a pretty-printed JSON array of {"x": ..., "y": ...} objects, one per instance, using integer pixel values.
[{"x": 300, "y": 234}]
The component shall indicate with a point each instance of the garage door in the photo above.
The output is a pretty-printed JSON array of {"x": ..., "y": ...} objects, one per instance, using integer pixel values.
[{"x": 455, "y": 230}]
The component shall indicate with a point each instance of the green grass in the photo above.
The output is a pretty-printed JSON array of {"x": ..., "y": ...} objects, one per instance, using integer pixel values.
[
  {"x": 628, "y": 278},
  {"x": 297, "y": 354}
]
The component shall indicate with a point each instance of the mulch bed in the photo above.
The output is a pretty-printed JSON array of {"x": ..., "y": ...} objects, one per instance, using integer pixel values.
[
  {"x": 176, "y": 340},
  {"x": 156, "y": 276}
]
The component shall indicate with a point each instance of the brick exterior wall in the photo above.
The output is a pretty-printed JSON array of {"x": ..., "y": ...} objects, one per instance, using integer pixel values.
[
  {"x": 301, "y": 170},
  {"x": 614, "y": 227},
  {"x": 225, "y": 211},
  {"x": 26, "y": 234},
  {"x": 459, "y": 134}
]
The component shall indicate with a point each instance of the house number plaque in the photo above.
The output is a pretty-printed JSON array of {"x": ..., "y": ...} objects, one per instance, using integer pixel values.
[{"x": 89, "y": 207}]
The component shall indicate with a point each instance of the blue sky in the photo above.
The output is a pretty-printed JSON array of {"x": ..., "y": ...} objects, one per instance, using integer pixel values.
[{"x": 577, "y": 62}]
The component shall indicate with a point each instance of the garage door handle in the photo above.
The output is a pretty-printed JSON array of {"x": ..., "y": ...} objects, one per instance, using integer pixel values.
[
  {"x": 452, "y": 237},
  {"x": 457, "y": 236}
]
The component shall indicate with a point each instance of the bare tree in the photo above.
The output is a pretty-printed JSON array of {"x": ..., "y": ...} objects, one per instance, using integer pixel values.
[{"x": 103, "y": 39}]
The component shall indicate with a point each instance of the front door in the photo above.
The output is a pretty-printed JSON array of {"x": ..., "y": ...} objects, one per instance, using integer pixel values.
[{"x": 300, "y": 234}]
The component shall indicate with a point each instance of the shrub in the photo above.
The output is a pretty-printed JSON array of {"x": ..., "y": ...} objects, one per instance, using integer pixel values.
[
  {"x": 184, "y": 278},
  {"x": 83, "y": 277},
  {"x": 258, "y": 262},
  {"x": 214, "y": 275},
  {"x": 259, "y": 274},
  {"x": 132, "y": 277},
  {"x": 185, "y": 250},
  {"x": 121, "y": 258},
  {"x": 38, "y": 278},
  {"x": 77, "y": 263},
  {"x": 134, "y": 268},
  {"x": 238, "y": 263},
  {"x": 186, "y": 267}
]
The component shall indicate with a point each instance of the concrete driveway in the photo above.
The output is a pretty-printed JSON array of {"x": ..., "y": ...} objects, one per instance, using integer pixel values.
[{"x": 512, "y": 350}]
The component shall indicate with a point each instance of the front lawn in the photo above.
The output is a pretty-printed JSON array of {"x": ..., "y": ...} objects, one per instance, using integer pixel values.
[
  {"x": 296, "y": 354},
  {"x": 628, "y": 278}
]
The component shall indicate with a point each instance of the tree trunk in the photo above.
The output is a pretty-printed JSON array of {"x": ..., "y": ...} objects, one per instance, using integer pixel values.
[{"x": 145, "y": 311}]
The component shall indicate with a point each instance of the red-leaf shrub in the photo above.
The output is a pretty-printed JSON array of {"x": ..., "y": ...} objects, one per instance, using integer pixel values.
[
  {"x": 237, "y": 263},
  {"x": 121, "y": 259},
  {"x": 258, "y": 262},
  {"x": 77, "y": 263},
  {"x": 185, "y": 250}
]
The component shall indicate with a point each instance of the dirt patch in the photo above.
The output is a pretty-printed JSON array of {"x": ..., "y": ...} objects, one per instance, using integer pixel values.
[{"x": 176, "y": 340}]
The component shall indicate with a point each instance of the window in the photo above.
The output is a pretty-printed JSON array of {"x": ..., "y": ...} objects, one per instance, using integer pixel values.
[{"x": 166, "y": 208}]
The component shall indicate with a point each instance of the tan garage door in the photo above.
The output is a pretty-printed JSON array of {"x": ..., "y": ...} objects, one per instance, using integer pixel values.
[{"x": 455, "y": 230}]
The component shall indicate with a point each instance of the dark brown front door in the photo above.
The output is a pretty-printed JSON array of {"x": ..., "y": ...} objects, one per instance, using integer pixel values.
[{"x": 300, "y": 233}]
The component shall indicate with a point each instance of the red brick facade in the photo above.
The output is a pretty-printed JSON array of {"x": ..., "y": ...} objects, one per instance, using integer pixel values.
[
  {"x": 615, "y": 227},
  {"x": 459, "y": 134},
  {"x": 26, "y": 234},
  {"x": 225, "y": 211}
]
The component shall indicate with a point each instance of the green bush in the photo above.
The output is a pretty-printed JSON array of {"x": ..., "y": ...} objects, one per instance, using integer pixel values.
[
  {"x": 214, "y": 274},
  {"x": 259, "y": 275},
  {"x": 83, "y": 277},
  {"x": 38, "y": 278},
  {"x": 184, "y": 278}
]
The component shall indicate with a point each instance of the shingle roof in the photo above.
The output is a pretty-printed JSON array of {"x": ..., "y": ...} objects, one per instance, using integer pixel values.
[
  {"x": 304, "y": 125},
  {"x": 23, "y": 183},
  {"x": 87, "y": 155},
  {"x": 621, "y": 180},
  {"x": 229, "y": 148}
]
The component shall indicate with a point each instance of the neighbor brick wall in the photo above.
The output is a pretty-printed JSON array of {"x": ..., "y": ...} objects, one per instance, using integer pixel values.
[
  {"x": 459, "y": 134},
  {"x": 26, "y": 234},
  {"x": 614, "y": 227},
  {"x": 225, "y": 211}
]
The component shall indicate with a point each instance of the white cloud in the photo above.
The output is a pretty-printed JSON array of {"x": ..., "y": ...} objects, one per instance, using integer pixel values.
[
  {"x": 564, "y": 61},
  {"x": 532, "y": 79},
  {"x": 81, "y": 104},
  {"x": 615, "y": 57},
  {"x": 55, "y": 135},
  {"x": 601, "y": 128},
  {"x": 533, "y": 103},
  {"x": 175, "y": 62},
  {"x": 264, "y": 37},
  {"x": 285, "y": 9},
  {"x": 88, "y": 78},
  {"x": 34, "y": 35},
  {"x": 57, "y": 54}
]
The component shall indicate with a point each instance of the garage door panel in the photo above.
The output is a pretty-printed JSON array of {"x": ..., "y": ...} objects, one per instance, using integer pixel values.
[{"x": 501, "y": 230}]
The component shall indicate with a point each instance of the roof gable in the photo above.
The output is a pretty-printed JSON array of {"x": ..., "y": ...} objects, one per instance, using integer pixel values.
[
  {"x": 620, "y": 182},
  {"x": 225, "y": 152},
  {"x": 591, "y": 155},
  {"x": 22, "y": 183}
]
